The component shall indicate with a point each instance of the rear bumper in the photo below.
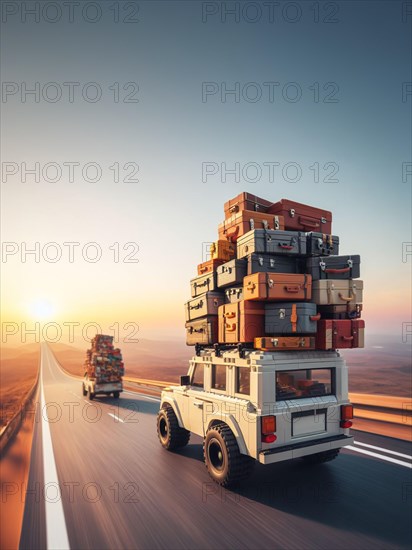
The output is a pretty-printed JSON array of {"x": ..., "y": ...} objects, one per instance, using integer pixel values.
[
  {"x": 108, "y": 388},
  {"x": 297, "y": 450}
]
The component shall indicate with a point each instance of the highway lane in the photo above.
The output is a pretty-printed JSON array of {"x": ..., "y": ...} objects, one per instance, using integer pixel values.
[{"x": 120, "y": 489}]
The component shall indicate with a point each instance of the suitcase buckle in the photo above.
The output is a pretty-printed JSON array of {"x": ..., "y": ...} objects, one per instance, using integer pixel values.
[
  {"x": 252, "y": 223},
  {"x": 275, "y": 342},
  {"x": 350, "y": 263},
  {"x": 260, "y": 260},
  {"x": 282, "y": 313},
  {"x": 272, "y": 262},
  {"x": 323, "y": 220},
  {"x": 292, "y": 212},
  {"x": 322, "y": 265}
]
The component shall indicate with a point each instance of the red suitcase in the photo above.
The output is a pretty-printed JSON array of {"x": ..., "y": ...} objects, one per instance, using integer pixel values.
[
  {"x": 301, "y": 217},
  {"x": 246, "y": 201},
  {"x": 340, "y": 334}
]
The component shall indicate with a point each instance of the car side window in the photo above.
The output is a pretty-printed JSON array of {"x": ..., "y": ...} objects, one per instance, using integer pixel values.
[
  {"x": 219, "y": 377},
  {"x": 243, "y": 380},
  {"x": 197, "y": 376}
]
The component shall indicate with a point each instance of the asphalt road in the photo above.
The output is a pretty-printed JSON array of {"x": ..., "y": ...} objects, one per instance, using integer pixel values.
[{"x": 99, "y": 482}]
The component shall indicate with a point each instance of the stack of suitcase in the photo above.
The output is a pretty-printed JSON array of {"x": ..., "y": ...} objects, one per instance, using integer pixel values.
[
  {"x": 103, "y": 361},
  {"x": 275, "y": 280}
]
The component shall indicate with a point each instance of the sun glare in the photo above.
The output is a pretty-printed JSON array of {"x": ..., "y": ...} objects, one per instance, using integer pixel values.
[{"x": 42, "y": 309}]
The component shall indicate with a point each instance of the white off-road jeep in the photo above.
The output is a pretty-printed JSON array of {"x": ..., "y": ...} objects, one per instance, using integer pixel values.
[{"x": 252, "y": 405}]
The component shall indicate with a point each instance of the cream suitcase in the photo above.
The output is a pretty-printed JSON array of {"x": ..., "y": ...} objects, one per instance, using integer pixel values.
[{"x": 337, "y": 291}]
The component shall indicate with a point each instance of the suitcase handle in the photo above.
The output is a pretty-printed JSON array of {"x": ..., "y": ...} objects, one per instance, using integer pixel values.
[
  {"x": 286, "y": 246},
  {"x": 347, "y": 338},
  {"x": 315, "y": 317},
  {"x": 202, "y": 269},
  {"x": 205, "y": 283},
  {"x": 231, "y": 328},
  {"x": 230, "y": 315},
  {"x": 234, "y": 208},
  {"x": 343, "y": 270},
  {"x": 251, "y": 285},
  {"x": 197, "y": 306},
  {"x": 232, "y": 234},
  {"x": 309, "y": 222},
  {"x": 346, "y": 298},
  {"x": 292, "y": 288}
]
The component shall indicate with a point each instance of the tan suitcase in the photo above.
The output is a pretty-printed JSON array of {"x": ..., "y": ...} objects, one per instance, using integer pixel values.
[
  {"x": 222, "y": 250},
  {"x": 277, "y": 286},
  {"x": 337, "y": 292},
  {"x": 268, "y": 343},
  {"x": 244, "y": 221},
  {"x": 241, "y": 322}
]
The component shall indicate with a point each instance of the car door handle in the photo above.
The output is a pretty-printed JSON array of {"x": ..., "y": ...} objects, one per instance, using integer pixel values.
[{"x": 198, "y": 404}]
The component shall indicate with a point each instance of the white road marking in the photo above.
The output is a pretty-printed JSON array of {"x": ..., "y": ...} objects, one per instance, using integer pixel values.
[
  {"x": 381, "y": 457},
  {"x": 384, "y": 450},
  {"x": 116, "y": 417},
  {"x": 136, "y": 394},
  {"x": 56, "y": 530}
]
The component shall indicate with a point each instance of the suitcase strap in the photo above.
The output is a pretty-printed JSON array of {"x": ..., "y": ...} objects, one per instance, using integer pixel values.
[
  {"x": 294, "y": 317},
  {"x": 346, "y": 298}
]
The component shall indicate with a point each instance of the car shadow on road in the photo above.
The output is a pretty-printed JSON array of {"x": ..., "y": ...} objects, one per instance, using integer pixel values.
[{"x": 133, "y": 405}]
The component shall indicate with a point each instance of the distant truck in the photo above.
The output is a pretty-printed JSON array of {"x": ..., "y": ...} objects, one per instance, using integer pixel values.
[
  {"x": 258, "y": 406},
  {"x": 104, "y": 368}
]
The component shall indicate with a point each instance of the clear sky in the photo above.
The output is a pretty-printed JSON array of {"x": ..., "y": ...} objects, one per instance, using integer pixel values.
[{"x": 319, "y": 88}]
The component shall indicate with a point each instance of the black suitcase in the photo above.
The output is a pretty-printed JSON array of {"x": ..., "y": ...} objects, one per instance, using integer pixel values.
[
  {"x": 268, "y": 263},
  {"x": 321, "y": 244},
  {"x": 334, "y": 267},
  {"x": 206, "y": 304},
  {"x": 340, "y": 312},
  {"x": 231, "y": 273},
  {"x": 233, "y": 295},
  {"x": 271, "y": 241},
  {"x": 202, "y": 331},
  {"x": 204, "y": 283}
]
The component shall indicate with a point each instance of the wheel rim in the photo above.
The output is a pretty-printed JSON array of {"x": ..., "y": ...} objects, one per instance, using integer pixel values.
[
  {"x": 216, "y": 455},
  {"x": 163, "y": 428}
]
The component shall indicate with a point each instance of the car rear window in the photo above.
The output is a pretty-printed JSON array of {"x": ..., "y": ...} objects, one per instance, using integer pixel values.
[
  {"x": 219, "y": 377},
  {"x": 197, "y": 377},
  {"x": 298, "y": 384},
  {"x": 243, "y": 380}
]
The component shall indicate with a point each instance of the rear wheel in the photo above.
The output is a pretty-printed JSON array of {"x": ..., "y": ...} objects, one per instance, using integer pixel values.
[
  {"x": 116, "y": 394},
  {"x": 319, "y": 458},
  {"x": 91, "y": 395},
  {"x": 84, "y": 391},
  {"x": 170, "y": 434},
  {"x": 223, "y": 460}
]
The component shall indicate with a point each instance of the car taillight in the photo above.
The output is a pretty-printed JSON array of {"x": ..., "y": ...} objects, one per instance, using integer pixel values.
[
  {"x": 346, "y": 415},
  {"x": 268, "y": 428}
]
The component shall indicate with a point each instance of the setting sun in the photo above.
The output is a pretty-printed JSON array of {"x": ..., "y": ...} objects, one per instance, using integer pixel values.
[{"x": 41, "y": 309}]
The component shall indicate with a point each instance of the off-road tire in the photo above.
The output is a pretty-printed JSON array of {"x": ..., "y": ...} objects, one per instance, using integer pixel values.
[
  {"x": 223, "y": 460},
  {"x": 84, "y": 391},
  {"x": 319, "y": 458},
  {"x": 170, "y": 434},
  {"x": 90, "y": 395},
  {"x": 116, "y": 394}
]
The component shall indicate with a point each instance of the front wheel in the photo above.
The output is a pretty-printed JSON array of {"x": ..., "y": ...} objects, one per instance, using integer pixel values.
[
  {"x": 91, "y": 395},
  {"x": 116, "y": 394},
  {"x": 223, "y": 460},
  {"x": 170, "y": 434},
  {"x": 84, "y": 391},
  {"x": 319, "y": 458}
]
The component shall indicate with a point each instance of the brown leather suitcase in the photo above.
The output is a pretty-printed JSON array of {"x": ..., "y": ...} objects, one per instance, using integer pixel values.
[
  {"x": 222, "y": 250},
  {"x": 302, "y": 217},
  {"x": 277, "y": 286},
  {"x": 340, "y": 334},
  {"x": 202, "y": 331},
  {"x": 242, "y": 222},
  {"x": 268, "y": 343},
  {"x": 246, "y": 201},
  {"x": 209, "y": 266},
  {"x": 241, "y": 322}
]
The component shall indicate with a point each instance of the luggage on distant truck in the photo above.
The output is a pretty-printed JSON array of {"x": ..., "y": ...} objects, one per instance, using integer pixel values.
[
  {"x": 207, "y": 304},
  {"x": 321, "y": 244},
  {"x": 241, "y": 322},
  {"x": 257, "y": 263},
  {"x": 202, "y": 331},
  {"x": 301, "y": 217},
  {"x": 246, "y": 201},
  {"x": 334, "y": 267},
  {"x": 202, "y": 284},
  {"x": 231, "y": 273},
  {"x": 222, "y": 250},
  {"x": 264, "y": 241},
  {"x": 277, "y": 286},
  {"x": 291, "y": 318},
  {"x": 337, "y": 292},
  {"x": 242, "y": 222},
  {"x": 350, "y": 311},
  {"x": 340, "y": 334},
  {"x": 268, "y": 343},
  {"x": 209, "y": 266}
]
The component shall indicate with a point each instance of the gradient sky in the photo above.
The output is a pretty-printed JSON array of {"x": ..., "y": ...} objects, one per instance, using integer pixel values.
[{"x": 170, "y": 132}]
